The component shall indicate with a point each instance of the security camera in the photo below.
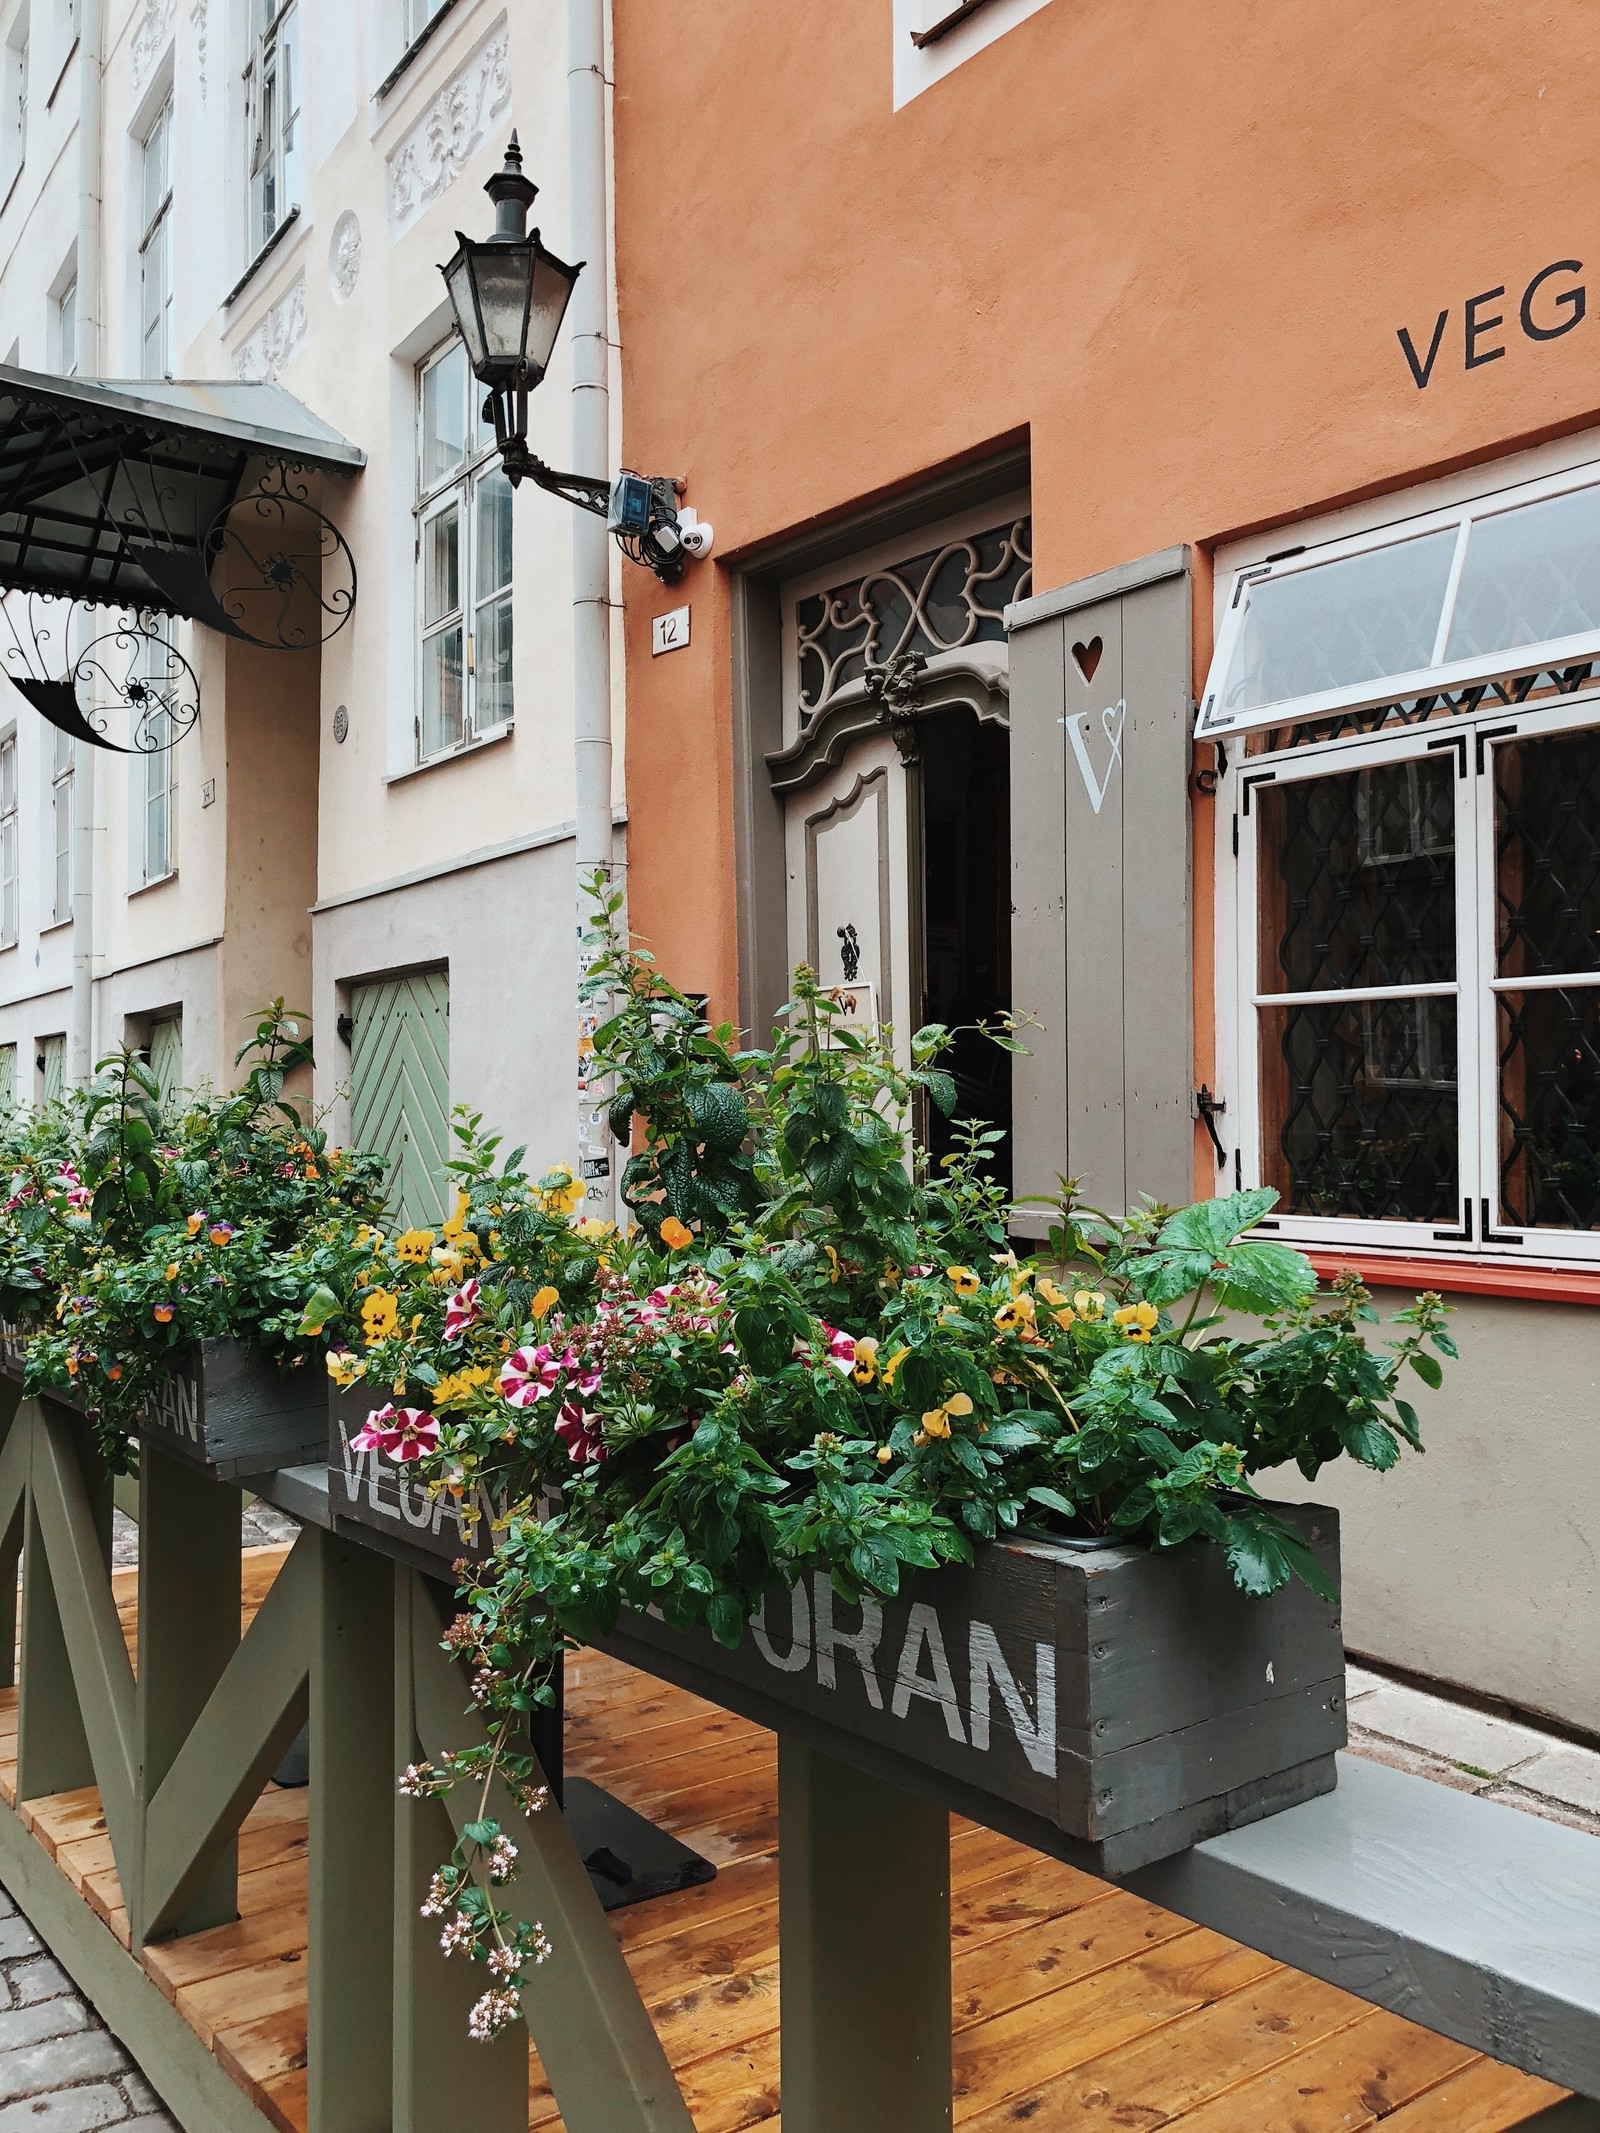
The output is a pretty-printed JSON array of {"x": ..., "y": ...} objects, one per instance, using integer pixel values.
[{"x": 696, "y": 534}]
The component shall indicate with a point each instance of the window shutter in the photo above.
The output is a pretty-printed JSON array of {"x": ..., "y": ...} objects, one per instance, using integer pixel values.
[
  {"x": 166, "y": 1058},
  {"x": 1101, "y": 934},
  {"x": 400, "y": 1088}
]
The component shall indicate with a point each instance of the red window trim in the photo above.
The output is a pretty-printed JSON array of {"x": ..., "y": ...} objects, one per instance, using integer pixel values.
[{"x": 1464, "y": 1277}]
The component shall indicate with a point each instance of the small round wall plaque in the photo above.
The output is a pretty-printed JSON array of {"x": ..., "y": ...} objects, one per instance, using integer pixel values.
[{"x": 341, "y": 723}]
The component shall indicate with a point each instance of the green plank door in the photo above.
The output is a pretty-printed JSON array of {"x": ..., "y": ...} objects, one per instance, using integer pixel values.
[
  {"x": 400, "y": 1087},
  {"x": 166, "y": 1058},
  {"x": 8, "y": 1077},
  {"x": 54, "y": 1051}
]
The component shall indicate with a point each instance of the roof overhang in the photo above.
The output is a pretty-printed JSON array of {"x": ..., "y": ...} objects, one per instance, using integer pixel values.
[{"x": 96, "y": 474}]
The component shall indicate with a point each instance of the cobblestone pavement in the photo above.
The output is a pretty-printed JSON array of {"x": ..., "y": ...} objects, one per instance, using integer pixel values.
[
  {"x": 1507, "y": 1759},
  {"x": 61, "y": 2070}
]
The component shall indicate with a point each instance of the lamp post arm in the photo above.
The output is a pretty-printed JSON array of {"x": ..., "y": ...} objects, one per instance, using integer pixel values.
[{"x": 589, "y": 492}]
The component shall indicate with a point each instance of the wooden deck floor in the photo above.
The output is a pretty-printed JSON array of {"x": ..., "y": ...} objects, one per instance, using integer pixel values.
[{"x": 1076, "y": 2005}]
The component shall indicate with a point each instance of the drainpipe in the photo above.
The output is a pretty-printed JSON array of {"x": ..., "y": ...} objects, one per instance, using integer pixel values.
[
  {"x": 80, "y": 1042},
  {"x": 591, "y": 548}
]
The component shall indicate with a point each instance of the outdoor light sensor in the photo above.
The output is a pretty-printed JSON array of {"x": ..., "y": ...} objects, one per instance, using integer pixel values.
[{"x": 510, "y": 295}]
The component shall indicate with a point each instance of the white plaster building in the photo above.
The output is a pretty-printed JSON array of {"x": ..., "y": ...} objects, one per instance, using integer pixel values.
[{"x": 382, "y": 831}]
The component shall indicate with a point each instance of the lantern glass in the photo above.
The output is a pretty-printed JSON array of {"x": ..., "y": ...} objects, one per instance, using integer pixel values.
[
  {"x": 463, "y": 301},
  {"x": 553, "y": 283}
]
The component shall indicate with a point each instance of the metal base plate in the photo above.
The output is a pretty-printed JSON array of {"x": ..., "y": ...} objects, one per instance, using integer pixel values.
[{"x": 628, "y": 1858}]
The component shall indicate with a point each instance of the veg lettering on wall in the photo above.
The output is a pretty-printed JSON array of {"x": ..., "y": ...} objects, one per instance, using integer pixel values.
[{"x": 1548, "y": 307}]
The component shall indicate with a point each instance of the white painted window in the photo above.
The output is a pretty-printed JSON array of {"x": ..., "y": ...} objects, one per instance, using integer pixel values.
[
  {"x": 1409, "y": 876},
  {"x": 934, "y": 37},
  {"x": 418, "y": 14},
  {"x": 9, "y": 869},
  {"x": 155, "y": 248},
  {"x": 463, "y": 562},
  {"x": 156, "y": 769},
  {"x": 272, "y": 106},
  {"x": 14, "y": 113},
  {"x": 66, "y": 333},
  {"x": 60, "y": 883}
]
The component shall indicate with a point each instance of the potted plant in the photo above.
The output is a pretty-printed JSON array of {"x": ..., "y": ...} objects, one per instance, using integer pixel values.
[{"x": 828, "y": 1448}]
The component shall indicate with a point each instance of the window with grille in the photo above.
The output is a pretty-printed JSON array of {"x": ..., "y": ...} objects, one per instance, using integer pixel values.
[
  {"x": 272, "y": 108},
  {"x": 464, "y": 564},
  {"x": 9, "y": 868},
  {"x": 155, "y": 772},
  {"x": 418, "y": 14},
  {"x": 1411, "y": 893},
  {"x": 155, "y": 249},
  {"x": 60, "y": 884}
]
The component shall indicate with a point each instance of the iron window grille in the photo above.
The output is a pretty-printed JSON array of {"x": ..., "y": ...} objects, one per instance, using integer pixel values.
[
  {"x": 942, "y": 598},
  {"x": 464, "y": 564},
  {"x": 272, "y": 117},
  {"x": 1410, "y": 910}
]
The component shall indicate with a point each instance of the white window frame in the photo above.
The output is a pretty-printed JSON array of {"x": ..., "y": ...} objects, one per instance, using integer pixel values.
[
  {"x": 417, "y": 16},
  {"x": 59, "y": 765},
  {"x": 10, "y": 853},
  {"x": 154, "y": 248},
  {"x": 457, "y": 491},
  {"x": 272, "y": 121},
  {"x": 64, "y": 312},
  {"x": 155, "y": 782},
  {"x": 1471, "y": 738}
]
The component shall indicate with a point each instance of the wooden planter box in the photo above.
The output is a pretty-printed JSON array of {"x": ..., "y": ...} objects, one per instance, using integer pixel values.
[
  {"x": 223, "y": 1407},
  {"x": 365, "y": 1489},
  {"x": 1105, "y": 1704}
]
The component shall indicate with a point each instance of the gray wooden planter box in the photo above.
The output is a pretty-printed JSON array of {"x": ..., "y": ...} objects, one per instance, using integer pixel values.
[
  {"x": 365, "y": 1489},
  {"x": 1107, "y": 1705},
  {"x": 224, "y": 1407}
]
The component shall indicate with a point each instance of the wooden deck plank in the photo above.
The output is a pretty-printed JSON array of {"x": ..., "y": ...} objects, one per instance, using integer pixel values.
[{"x": 1484, "y": 2097}]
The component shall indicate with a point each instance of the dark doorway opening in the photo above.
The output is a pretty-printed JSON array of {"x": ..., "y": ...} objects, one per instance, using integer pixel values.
[{"x": 966, "y": 914}]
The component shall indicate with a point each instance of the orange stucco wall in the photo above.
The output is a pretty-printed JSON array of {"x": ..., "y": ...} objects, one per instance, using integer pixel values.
[{"x": 1172, "y": 244}]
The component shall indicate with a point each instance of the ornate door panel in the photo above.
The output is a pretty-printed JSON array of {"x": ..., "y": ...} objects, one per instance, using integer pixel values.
[{"x": 851, "y": 862}]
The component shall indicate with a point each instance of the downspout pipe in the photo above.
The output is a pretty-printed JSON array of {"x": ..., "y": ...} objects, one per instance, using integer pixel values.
[
  {"x": 87, "y": 353},
  {"x": 591, "y": 550}
]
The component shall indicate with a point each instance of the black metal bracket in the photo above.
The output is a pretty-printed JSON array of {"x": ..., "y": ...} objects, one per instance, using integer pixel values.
[
  {"x": 653, "y": 539},
  {"x": 1211, "y": 1108},
  {"x": 587, "y": 491}
]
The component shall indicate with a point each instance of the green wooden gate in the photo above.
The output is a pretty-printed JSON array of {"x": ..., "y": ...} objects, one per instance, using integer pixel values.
[
  {"x": 400, "y": 1086},
  {"x": 166, "y": 1058},
  {"x": 8, "y": 1076}
]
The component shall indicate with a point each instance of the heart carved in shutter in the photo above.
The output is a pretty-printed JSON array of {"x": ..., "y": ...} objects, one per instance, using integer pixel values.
[{"x": 1088, "y": 656}]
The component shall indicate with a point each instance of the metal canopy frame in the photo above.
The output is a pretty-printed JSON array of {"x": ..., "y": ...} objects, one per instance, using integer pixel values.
[{"x": 91, "y": 472}]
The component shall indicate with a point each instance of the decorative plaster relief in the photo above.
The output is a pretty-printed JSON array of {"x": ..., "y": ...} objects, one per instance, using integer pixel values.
[
  {"x": 150, "y": 37},
  {"x": 450, "y": 132},
  {"x": 277, "y": 340},
  {"x": 344, "y": 257},
  {"x": 197, "y": 15}
]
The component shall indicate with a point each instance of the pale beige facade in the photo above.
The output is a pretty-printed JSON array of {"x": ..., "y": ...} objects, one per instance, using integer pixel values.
[{"x": 305, "y": 168}]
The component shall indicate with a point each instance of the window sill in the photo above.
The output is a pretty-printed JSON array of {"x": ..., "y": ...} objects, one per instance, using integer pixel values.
[
  {"x": 454, "y": 755},
  {"x": 8, "y": 187},
  {"x": 72, "y": 53},
  {"x": 56, "y": 925},
  {"x": 951, "y": 20},
  {"x": 414, "y": 50},
  {"x": 159, "y": 882},
  {"x": 1466, "y": 1277},
  {"x": 291, "y": 221}
]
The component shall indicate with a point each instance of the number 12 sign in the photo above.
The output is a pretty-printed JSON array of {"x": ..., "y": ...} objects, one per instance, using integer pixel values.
[{"x": 669, "y": 633}]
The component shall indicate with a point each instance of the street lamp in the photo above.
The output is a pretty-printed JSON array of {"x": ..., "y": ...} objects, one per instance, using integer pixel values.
[{"x": 509, "y": 295}]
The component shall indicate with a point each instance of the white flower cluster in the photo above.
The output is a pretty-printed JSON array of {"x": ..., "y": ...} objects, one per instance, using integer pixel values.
[
  {"x": 490, "y": 2015},
  {"x": 437, "y": 1900},
  {"x": 502, "y": 1859},
  {"x": 457, "y": 1934}
]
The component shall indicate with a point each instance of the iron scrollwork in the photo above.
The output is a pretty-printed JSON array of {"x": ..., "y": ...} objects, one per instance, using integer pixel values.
[{"x": 134, "y": 667}]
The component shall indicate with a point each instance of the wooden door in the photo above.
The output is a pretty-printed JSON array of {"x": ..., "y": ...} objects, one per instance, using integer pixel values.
[
  {"x": 53, "y": 1055},
  {"x": 400, "y": 1087},
  {"x": 850, "y": 850},
  {"x": 166, "y": 1058}
]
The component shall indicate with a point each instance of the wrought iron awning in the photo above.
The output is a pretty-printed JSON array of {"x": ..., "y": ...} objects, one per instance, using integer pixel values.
[{"x": 113, "y": 494}]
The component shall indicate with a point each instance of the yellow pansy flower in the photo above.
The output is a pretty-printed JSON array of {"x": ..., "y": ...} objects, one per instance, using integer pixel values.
[
  {"x": 962, "y": 1280},
  {"x": 865, "y": 1367},
  {"x": 674, "y": 1235},
  {"x": 893, "y": 1364},
  {"x": 458, "y": 1221},
  {"x": 1089, "y": 1303},
  {"x": 1013, "y": 1315},
  {"x": 1138, "y": 1321},
  {"x": 1049, "y": 1293},
  {"x": 542, "y": 1302},
  {"x": 380, "y": 1314},
  {"x": 414, "y": 1245},
  {"x": 344, "y": 1367},
  {"x": 936, "y": 1422},
  {"x": 1065, "y": 1317},
  {"x": 884, "y": 1454}
]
